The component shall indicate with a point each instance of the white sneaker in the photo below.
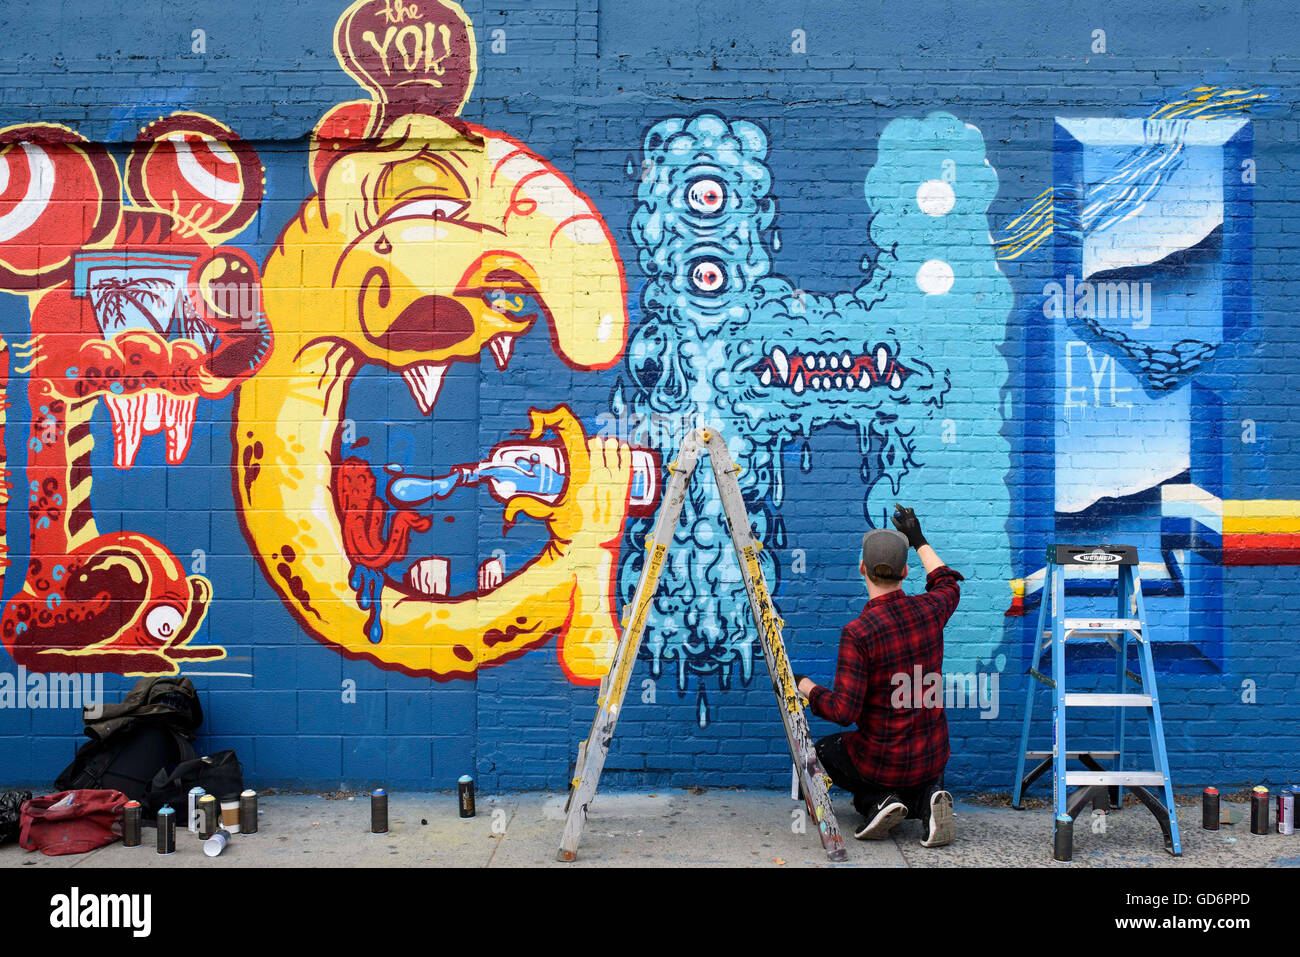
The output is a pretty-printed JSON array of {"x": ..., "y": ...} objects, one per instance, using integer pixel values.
[{"x": 938, "y": 827}]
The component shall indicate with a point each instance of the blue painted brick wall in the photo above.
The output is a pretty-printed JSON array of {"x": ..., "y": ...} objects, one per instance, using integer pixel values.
[{"x": 581, "y": 82}]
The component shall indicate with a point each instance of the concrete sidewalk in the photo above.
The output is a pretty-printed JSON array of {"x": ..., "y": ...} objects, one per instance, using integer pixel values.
[{"x": 671, "y": 828}]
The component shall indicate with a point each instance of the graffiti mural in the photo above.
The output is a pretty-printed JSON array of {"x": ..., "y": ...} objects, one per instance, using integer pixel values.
[
  {"x": 1149, "y": 223},
  {"x": 133, "y": 306},
  {"x": 431, "y": 244},
  {"x": 725, "y": 339}
]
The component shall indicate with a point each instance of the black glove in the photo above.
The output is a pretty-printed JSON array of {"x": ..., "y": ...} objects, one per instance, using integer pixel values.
[
  {"x": 798, "y": 678},
  {"x": 905, "y": 521}
]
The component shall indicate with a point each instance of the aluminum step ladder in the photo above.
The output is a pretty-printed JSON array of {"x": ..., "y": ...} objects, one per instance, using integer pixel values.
[
  {"x": 613, "y": 687},
  {"x": 1096, "y": 784}
]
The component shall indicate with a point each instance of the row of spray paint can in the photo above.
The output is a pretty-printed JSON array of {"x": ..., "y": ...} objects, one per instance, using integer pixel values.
[
  {"x": 1265, "y": 816},
  {"x": 213, "y": 821},
  {"x": 379, "y": 804}
]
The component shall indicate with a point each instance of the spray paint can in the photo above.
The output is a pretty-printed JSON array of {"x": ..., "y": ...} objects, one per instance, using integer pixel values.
[
  {"x": 192, "y": 813},
  {"x": 465, "y": 790},
  {"x": 1210, "y": 809},
  {"x": 378, "y": 811},
  {"x": 1286, "y": 811},
  {"x": 209, "y": 816},
  {"x": 1259, "y": 810},
  {"x": 166, "y": 830},
  {"x": 214, "y": 845},
  {"x": 1295, "y": 801},
  {"x": 131, "y": 824},
  {"x": 1063, "y": 838},
  {"x": 248, "y": 812},
  {"x": 230, "y": 812}
]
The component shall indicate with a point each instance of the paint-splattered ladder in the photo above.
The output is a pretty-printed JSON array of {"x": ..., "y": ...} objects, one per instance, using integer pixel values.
[
  {"x": 609, "y": 702},
  {"x": 1101, "y": 786}
]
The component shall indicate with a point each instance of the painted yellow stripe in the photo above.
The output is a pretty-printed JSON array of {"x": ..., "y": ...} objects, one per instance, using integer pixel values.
[{"x": 1261, "y": 516}]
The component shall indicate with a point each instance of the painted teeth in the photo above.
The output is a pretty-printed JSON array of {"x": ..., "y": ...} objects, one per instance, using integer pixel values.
[
  {"x": 424, "y": 379},
  {"x": 798, "y": 383},
  {"x": 429, "y": 575},
  {"x": 490, "y": 574},
  {"x": 178, "y": 425},
  {"x": 134, "y": 416},
  {"x": 864, "y": 380},
  {"x": 501, "y": 347},
  {"x": 766, "y": 378},
  {"x": 835, "y": 362},
  {"x": 782, "y": 364},
  {"x": 895, "y": 381},
  {"x": 882, "y": 357}
]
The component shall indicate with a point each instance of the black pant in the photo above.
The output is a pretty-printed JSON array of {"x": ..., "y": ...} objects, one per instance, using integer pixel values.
[{"x": 867, "y": 795}]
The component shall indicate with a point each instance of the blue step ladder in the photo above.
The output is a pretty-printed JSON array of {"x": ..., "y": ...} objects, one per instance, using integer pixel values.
[{"x": 1096, "y": 784}]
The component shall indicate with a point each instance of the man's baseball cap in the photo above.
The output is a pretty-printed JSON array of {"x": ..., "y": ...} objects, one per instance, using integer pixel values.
[{"x": 884, "y": 553}]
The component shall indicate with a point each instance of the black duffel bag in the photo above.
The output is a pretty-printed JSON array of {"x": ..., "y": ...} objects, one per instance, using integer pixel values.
[
  {"x": 219, "y": 774},
  {"x": 11, "y": 812}
]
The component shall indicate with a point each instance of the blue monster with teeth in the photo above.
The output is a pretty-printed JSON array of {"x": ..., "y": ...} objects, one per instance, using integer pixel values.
[{"x": 909, "y": 359}]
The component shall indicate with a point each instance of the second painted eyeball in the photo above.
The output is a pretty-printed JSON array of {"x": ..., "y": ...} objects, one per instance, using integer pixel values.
[{"x": 708, "y": 276}]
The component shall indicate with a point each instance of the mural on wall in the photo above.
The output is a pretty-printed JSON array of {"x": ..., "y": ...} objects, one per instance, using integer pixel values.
[
  {"x": 726, "y": 340},
  {"x": 1150, "y": 228},
  {"x": 133, "y": 305},
  {"x": 431, "y": 245}
]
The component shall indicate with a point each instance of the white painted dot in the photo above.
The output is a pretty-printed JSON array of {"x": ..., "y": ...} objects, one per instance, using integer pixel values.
[
  {"x": 935, "y": 197},
  {"x": 934, "y": 278}
]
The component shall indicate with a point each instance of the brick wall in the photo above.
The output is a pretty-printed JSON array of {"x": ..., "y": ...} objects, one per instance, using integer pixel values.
[{"x": 1010, "y": 427}]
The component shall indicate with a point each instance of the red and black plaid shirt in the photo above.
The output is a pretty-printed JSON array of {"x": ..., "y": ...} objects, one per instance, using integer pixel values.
[{"x": 896, "y": 634}]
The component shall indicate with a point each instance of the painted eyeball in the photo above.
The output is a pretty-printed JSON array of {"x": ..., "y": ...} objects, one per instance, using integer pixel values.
[
  {"x": 706, "y": 195},
  {"x": 162, "y": 622},
  {"x": 708, "y": 276}
]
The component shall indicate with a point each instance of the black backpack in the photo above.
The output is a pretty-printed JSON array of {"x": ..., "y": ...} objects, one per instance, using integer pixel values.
[
  {"x": 11, "y": 807},
  {"x": 151, "y": 729}
]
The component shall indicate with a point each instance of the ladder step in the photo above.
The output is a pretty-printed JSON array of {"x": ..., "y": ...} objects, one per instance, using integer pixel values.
[
  {"x": 1129, "y": 778},
  {"x": 1073, "y": 754},
  {"x": 1107, "y": 700},
  {"x": 1100, "y": 626}
]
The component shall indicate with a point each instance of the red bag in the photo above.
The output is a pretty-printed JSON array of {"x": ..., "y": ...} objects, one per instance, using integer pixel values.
[{"x": 71, "y": 822}]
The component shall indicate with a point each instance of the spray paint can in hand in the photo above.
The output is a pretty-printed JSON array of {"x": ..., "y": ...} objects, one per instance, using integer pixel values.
[
  {"x": 192, "y": 815},
  {"x": 378, "y": 811},
  {"x": 214, "y": 845},
  {"x": 131, "y": 824},
  {"x": 166, "y": 830},
  {"x": 248, "y": 812},
  {"x": 1259, "y": 810},
  {"x": 465, "y": 790},
  {"x": 1210, "y": 809},
  {"x": 209, "y": 816}
]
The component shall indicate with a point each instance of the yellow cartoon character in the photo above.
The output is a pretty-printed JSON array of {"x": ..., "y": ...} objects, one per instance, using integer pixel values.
[{"x": 425, "y": 238}]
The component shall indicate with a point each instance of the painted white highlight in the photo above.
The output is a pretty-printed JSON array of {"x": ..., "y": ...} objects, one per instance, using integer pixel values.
[
  {"x": 934, "y": 278},
  {"x": 935, "y": 197},
  {"x": 34, "y": 202},
  {"x": 209, "y": 185}
]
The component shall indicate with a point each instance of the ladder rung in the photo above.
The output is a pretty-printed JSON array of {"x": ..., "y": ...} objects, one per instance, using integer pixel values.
[
  {"x": 1131, "y": 778},
  {"x": 1073, "y": 754},
  {"x": 1107, "y": 700},
  {"x": 1100, "y": 626}
]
